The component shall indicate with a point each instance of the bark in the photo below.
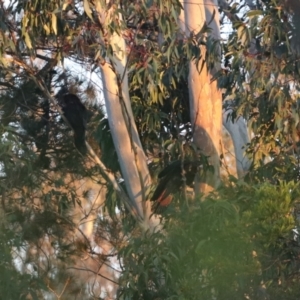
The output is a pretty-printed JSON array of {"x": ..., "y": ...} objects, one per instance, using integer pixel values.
[
  {"x": 205, "y": 98},
  {"x": 131, "y": 156},
  {"x": 181, "y": 21},
  {"x": 239, "y": 134}
]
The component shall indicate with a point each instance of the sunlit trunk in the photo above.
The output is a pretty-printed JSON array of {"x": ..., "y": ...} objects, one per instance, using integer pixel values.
[
  {"x": 124, "y": 132},
  {"x": 205, "y": 97}
]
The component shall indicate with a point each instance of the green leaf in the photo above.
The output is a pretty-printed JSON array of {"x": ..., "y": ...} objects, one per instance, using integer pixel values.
[
  {"x": 253, "y": 13},
  {"x": 12, "y": 45},
  {"x": 54, "y": 23},
  {"x": 87, "y": 9},
  {"x": 46, "y": 28},
  {"x": 27, "y": 40}
]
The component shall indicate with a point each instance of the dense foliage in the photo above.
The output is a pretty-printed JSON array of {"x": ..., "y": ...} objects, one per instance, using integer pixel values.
[{"x": 234, "y": 244}]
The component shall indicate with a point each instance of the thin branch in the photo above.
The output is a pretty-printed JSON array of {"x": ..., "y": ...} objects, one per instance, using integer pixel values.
[{"x": 91, "y": 271}]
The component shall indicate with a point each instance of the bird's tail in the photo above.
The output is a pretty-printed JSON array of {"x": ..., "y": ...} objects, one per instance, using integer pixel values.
[{"x": 79, "y": 141}]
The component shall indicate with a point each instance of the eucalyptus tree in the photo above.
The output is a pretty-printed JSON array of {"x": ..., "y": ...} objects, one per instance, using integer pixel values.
[{"x": 102, "y": 35}]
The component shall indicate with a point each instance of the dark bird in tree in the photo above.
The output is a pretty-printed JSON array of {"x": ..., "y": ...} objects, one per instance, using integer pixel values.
[
  {"x": 172, "y": 180},
  {"x": 76, "y": 114}
]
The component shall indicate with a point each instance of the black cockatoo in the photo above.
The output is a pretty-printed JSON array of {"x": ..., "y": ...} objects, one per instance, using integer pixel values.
[
  {"x": 171, "y": 180},
  {"x": 76, "y": 114}
]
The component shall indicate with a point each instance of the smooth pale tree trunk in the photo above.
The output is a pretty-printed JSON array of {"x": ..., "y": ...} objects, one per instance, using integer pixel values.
[
  {"x": 204, "y": 96},
  {"x": 130, "y": 153},
  {"x": 240, "y": 137},
  {"x": 237, "y": 130}
]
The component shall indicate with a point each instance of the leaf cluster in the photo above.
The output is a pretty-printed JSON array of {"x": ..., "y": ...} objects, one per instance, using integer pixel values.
[
  {"x": 261, "y": 79},
  {"x": 223, "y": 247}
]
